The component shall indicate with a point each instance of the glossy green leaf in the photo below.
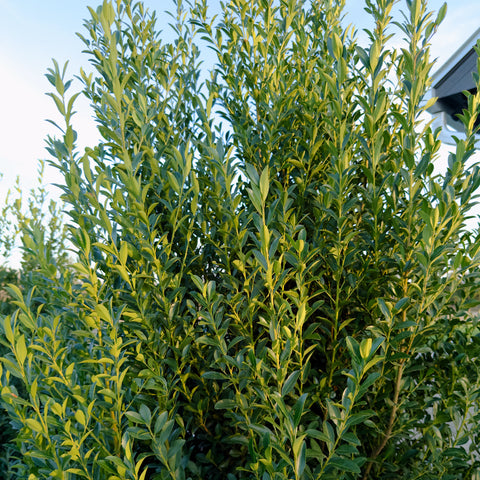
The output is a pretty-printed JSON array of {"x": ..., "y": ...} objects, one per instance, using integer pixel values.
[
  {"x": 225, "y": 404},
  {"x": 290, "y": 382},
  {"x": 344, "y": 464}
]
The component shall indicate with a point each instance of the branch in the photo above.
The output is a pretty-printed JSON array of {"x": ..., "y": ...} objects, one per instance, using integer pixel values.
[{"x": 391, "y": 422}]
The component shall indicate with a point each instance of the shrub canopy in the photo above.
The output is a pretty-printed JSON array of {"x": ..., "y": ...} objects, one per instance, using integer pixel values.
[{"x": 271, "y": 281}]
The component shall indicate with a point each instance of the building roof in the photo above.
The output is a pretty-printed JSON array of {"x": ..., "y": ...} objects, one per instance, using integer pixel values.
[{"x": 449, "y": 82}]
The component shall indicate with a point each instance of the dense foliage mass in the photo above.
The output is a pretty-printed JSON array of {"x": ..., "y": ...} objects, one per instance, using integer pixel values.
[
  {"x": 286, "y": 295},
  {"x": 36, "y": 222}
]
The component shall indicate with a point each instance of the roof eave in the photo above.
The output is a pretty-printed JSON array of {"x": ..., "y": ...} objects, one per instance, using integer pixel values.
[{"x": 456, "y": 57}]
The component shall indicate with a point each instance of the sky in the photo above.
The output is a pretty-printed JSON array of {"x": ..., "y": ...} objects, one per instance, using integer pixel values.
[{"x": 33, "y": 32}]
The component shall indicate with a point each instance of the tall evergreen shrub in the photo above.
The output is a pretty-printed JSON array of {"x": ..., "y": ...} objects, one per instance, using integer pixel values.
[{"x": 285, "y": 296}]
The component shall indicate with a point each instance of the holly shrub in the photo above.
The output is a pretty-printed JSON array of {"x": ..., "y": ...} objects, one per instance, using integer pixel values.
[{"x": 271, "y": 279}]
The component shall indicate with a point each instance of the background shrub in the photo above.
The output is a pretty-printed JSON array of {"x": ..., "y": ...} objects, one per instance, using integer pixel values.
[
  {"x": 271, "y": 281},
  {"x": 24, "y": 216}
]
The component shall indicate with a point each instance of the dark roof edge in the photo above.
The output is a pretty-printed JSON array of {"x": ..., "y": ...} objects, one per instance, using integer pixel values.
[{"x": 456, "y": 57}]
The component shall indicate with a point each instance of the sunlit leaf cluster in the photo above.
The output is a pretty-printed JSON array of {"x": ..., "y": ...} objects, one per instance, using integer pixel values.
[{"x": 271, "y": 280}]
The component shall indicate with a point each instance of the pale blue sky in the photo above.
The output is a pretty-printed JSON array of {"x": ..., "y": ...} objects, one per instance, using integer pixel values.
[{"x": 32, "y": 32}]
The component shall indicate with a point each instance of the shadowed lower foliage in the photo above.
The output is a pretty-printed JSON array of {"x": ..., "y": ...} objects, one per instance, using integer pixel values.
[{"x": 271, "y": 280}]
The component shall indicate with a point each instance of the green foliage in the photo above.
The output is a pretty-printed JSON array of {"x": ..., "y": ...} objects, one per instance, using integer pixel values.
[
  {"x": 28, "y": 221},
  {"x": 287, "y": 295},
  {"x": 40, "y": 226},
  {"x": 7, "y": 434}
]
